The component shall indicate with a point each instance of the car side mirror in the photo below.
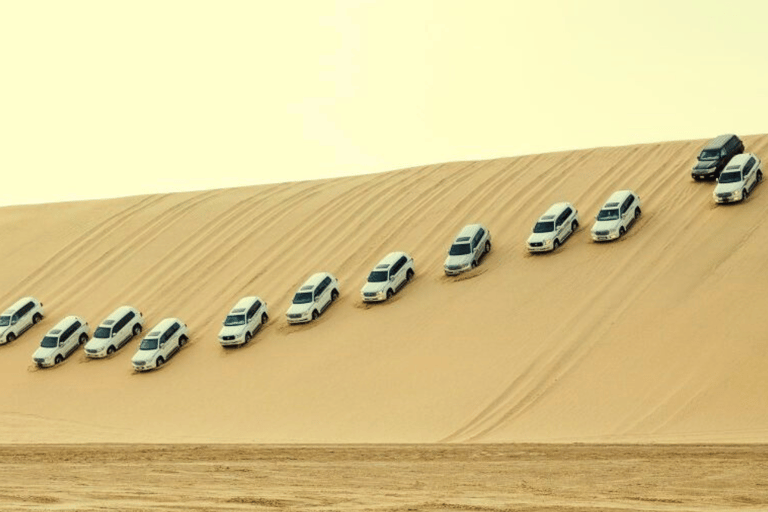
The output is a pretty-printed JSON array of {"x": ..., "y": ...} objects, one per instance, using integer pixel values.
[{"x": 114, "y": 334}]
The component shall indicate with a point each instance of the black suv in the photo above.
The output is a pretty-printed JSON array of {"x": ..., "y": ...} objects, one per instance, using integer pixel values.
[{"x": 715, "y": 155}]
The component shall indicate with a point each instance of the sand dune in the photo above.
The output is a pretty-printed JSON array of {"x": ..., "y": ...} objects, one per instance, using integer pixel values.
[{"x": 659, "y": 337}]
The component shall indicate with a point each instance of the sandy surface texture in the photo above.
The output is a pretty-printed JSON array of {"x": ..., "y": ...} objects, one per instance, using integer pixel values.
[
  {"x": 658, "y": 337},
  {"x": 431, "y": 478}
]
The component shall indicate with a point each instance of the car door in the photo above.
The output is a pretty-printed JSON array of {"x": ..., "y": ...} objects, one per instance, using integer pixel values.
[
  {"x": 25, "y": 317},
  {"x": 68, "y": 340},
  {"x": 477, "y": 246},
  {"x": 251, "y": 315},
  {"x": 124, "y": 331},
  {"x": 749, "y": 174},
  {"x": 322, "y": 294}
]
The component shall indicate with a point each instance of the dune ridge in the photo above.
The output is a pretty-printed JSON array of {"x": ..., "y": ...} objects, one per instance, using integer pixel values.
[{"x": 658, "y": 337}]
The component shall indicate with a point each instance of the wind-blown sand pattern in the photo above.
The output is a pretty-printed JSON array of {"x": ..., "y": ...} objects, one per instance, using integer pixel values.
[{"x": 659, "y": 337}]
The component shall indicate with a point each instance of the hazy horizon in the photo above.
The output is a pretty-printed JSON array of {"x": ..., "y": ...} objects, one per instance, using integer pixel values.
[{"x": 109, "y": 99}]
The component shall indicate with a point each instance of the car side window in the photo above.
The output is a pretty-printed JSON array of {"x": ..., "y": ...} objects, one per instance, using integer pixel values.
[
  {"x": 120, "y": 324},
  {"x": 15, "y": 318},
  {"x": 24, "y": 309}
]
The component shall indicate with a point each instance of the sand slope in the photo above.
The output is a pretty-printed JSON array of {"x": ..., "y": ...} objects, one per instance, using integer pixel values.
[{"x": 657, "y": 337}]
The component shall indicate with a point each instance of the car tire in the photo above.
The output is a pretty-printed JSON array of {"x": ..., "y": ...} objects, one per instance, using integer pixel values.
[
  {"x": 622, "y": 231},
  {"x": 744, "y": 195},
  {"x": 334, "y": 295},
  {"x": 264, "y": 319},
  {"x": 637, "y": 213},
  {"x": 247, "y": 337},
  {"x": 487, "y": 247},
  {"x": 58, "y": 359},
  {"x": 409, "y": 275},
  {"x": 159, "y": 362},
  {"x": 83, "y": 338},
  {"x": 10, "y": 337},
  {"x": 136, "y": 329},
  {"x": 389, "y": 294},
  {"x": 474, "y": 264},
  {"x": 183, "y": 340},
  {"x": 574, "y": 226},
  {"x": 37, "y": 318},
  {"x": 315, "y": 314},
  {"x": 111, "y": 350},
  {"x": 556, "y": 244}
]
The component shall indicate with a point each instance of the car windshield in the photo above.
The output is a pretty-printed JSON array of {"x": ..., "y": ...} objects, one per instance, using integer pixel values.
[
  {"x": 544, "y": 227},
  {"x": 611, "y": 214},
  {"x": 730, "y": 177},
  {"x": 709, "y": 154},
  {"x": 148, "y": 344},
  {"x": 102, "y": 332},
  {"x": 459, "y": 249},
  {"x": 302, "y": 298},
  {"x": 377, "y": 276},
  {"x": 5, "y": 321},
  {"x": 49, "y": 342},
  {"x": 234, "y": 320}
]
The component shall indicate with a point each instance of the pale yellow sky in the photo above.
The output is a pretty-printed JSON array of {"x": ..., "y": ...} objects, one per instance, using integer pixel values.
[{"x": 105, "y": 98}]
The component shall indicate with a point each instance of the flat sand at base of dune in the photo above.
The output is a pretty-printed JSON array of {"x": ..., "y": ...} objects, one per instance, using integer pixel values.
[{"x": 427, "y": 478}]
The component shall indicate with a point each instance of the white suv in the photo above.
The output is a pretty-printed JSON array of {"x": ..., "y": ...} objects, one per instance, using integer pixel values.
[
  {"x": 61, "y": 341},
  {"x": 387, "y": 277},
  {"x": 314, "y": 296},
  {"x": 242, "y": 322},
  {"x": 115, "y": 331},
  {"x": 164, "y": 340},
  {"x": 616, "y": 216},
  {"x": 472, "y": 243},
  {"x": 18, "y": 318},
  {"x": 553, "y": 228},
  {"x": 738, "y": 179}
]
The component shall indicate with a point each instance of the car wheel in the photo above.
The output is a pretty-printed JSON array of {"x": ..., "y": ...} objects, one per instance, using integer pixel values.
[
  {"x": 58, "y": 359},
  {"x": 389, "y": 293},
  {"x": 409, "y": 275},
  {"x": 637, "y": 212},
  {"x": 37, "y": 318},
  {"x": 622, "y": 231},
  {"x": 110, "y": 350},
  {"x": 334, "y": 295},
  {"x": 474, "y": 264},
  {"x": 744, "y": 195},
  {"x": 10, "y": 338},
  {"x": 159, "y": 361},
  {"x": 264, "y": 318},
  {"x": 487, "y": 247},
  {"x": 759, "y": 176},
  {"x": 574, "y": 226},
  {"x": 556, "y": 244},
  {"x": 136, "y": 329},
  {"x": 247, "y": 337},
  {"x": 83, "y": 338},
  {"x": 315, "y": 314},
  {"x": 182, "y": 340}
]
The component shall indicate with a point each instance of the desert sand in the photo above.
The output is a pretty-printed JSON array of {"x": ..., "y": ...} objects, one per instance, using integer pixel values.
[
  {"x": 657, "y": 338},
  {"x": 384, "y": 478}
]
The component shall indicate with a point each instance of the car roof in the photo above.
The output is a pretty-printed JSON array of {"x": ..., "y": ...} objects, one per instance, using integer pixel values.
[
  {"x": 164, "y": 324},
  {"x": 469, "y": 230},
  {"x": 315, "y": 279},
  {"x": 66, "y": 322},
  {"x": 390, "y": 259},
  {"x": 555, "y": 209},
  {"x": 117, "y": 314},
  {"x": 18, "y": 304},
  {"x": 244, "y": 303},
  {"x": 719, "y": 141},
  {"x": 740, "y": 159},
  {"x": 619, "y": 196}
]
